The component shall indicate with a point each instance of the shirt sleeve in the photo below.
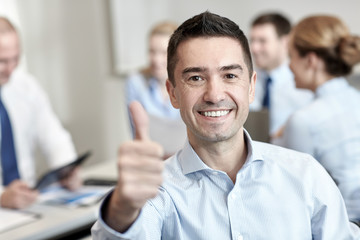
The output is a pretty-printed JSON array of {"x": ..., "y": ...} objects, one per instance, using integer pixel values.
[
  {"x": 146, "y": 227},
  {"x": 297, "y": 134},
  {"x": 54, "y": 141},
  {"x": 329, "y": 218}
]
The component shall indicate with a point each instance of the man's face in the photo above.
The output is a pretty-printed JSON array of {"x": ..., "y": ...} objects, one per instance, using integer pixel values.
[
  {"x": 213, "y": 89},
  {"x": 158, "y": 56},
  {"x": 9, "y": 55},
  {"x": 266, "y": 46}
]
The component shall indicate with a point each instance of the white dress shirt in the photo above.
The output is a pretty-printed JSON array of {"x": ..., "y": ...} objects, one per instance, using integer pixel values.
[
  {"x": 329, "y": 130},
  {"x": 34, "y": 126},
  {"x": 285, "y": 98},
  {"x": 279, "y": 194}
]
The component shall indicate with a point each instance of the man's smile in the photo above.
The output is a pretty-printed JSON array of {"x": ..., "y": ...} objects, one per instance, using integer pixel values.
[{"x": 218, "y": 113}]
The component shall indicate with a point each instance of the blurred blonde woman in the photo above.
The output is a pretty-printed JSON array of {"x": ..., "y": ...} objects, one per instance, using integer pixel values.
[
  {"x": 148, "y": 85},
  {"x": 322, "y": 53}
]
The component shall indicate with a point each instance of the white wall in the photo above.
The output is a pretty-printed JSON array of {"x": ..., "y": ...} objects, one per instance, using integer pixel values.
[{"x": 68, "y": 48}]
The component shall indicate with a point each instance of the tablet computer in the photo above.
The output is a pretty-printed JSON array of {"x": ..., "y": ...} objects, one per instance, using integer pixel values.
[{"x": 61, "y": 172}]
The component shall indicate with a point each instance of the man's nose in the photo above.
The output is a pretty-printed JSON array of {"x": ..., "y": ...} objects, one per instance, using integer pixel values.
[{"x": 215, "y": 91}]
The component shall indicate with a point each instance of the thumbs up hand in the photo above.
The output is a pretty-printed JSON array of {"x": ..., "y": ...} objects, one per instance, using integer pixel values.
[
  {"x": 141, "y": 121},
  {"x": 140, "y": 168}
]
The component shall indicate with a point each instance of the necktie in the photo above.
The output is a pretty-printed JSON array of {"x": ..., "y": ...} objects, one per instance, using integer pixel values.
[
  {"x": 266, "y": 100},
  {"x": 8, "y": 156}
]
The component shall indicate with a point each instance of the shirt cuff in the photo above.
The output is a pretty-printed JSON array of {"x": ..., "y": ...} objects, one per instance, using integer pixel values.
[{"x": 133, "y": 232}]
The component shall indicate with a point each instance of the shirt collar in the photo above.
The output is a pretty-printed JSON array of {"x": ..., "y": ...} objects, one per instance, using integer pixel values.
[
  {"x": 254, "y": 153},
  {"x": 190, "y": 162},
  {"x": 331, "y": 86}
]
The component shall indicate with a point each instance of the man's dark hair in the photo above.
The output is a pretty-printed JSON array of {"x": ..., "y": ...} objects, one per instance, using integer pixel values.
[
  {"x": 280, "y": 22},
  {"x": 205, "y": 25}
]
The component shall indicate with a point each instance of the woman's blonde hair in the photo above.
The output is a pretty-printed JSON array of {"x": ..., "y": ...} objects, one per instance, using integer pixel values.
[
  {"x": 166, "y": 28},
  {"x": 163, "y": 28},
  {"x": 330, "y": 39}
]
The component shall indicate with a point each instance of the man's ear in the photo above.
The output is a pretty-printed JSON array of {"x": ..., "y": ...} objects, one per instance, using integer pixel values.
[
  {"x": 285, "y": 41},
  {"x": 171, "y": 91},
  {"x": 252, "y": 87}
]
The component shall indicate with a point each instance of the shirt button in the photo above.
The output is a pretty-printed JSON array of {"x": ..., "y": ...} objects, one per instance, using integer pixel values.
[{"x": 240, "y": 237}]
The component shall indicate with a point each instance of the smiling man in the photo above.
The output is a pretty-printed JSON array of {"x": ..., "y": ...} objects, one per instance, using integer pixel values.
[{"x": 221, "y": 185}]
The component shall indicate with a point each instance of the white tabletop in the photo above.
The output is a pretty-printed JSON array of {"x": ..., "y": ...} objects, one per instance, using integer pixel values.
[{"x": 59, "y": 220}]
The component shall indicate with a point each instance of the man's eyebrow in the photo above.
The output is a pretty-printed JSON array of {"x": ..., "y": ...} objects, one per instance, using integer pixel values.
[
  {"x": 193, "y": 70},
  {"x": 231, "y": 67}
]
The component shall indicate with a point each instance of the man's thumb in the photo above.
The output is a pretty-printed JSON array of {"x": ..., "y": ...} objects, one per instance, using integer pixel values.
[{"x": 140, "y": 120}]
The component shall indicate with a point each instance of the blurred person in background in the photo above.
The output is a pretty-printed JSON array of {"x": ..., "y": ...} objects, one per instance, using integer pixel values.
[
  {"x": 322, "y": 53},
  {"x": 27, "y": 123},
  {"x": 148, "y": 88},
  {"x": 148, "y": 85},
  {"x": 275, "y": 86}
]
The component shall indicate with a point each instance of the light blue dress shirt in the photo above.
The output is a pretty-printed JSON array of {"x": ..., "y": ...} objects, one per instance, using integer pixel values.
[
  {"x": 279, "y": 194},
  {"x": 148, "y": 93},
  {"x": 329, "y": 130},
  {"x": 285, "y": 98}
]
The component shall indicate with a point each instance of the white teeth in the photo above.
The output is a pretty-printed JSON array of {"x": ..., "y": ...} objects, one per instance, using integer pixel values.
[{"x": 215, "y": 113}]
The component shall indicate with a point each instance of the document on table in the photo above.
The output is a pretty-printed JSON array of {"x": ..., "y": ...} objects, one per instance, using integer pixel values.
[
  {"x": 86, "y": 195},
  {"x": 10, "y": 218}
]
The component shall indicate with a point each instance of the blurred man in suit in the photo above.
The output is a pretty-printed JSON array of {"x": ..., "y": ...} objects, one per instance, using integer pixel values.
[
  {"x": 275, "y": 86},
  {"x": 27, "y": 123}
]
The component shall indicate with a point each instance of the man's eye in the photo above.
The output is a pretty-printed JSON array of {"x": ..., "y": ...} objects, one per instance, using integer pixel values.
[
  {"x": 195, "y": 78},
  {"x": 230, "y": 76}
]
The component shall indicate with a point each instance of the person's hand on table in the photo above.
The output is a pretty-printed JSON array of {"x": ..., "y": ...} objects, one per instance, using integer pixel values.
[{"x": 18, "y": 195}]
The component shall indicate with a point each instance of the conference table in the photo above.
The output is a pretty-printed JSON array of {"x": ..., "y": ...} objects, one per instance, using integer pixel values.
[{"x": 61, "y": 222}]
